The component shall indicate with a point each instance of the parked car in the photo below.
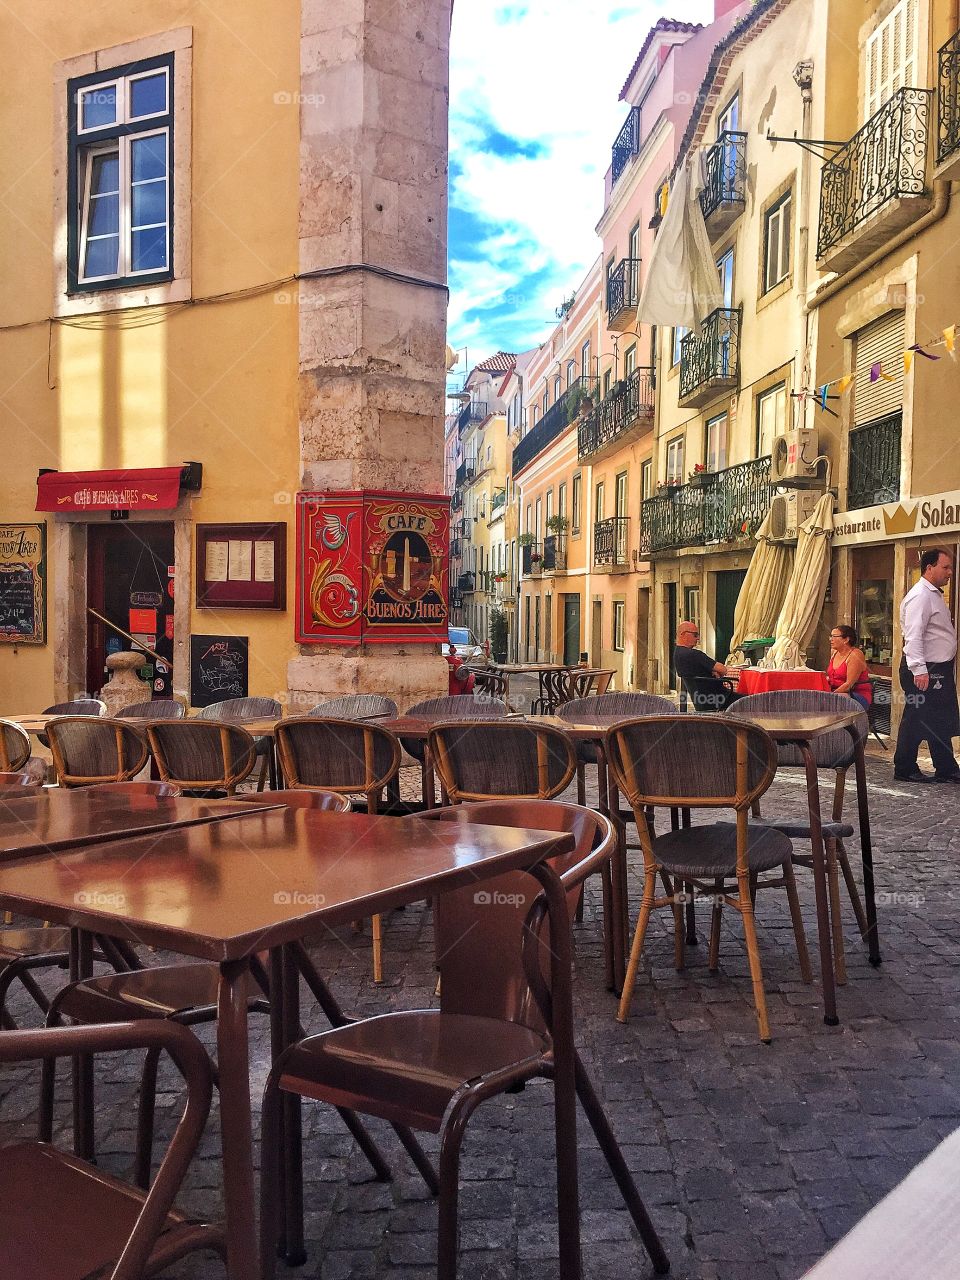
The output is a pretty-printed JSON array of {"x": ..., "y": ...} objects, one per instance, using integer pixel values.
[{"x": 466, "y": 644}]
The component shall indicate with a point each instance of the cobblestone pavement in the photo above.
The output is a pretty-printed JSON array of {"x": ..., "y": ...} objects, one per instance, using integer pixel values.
[{"x": 752, "y": 1158}]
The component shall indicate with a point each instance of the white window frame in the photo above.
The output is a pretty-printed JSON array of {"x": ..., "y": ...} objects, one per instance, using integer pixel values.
[
  {"x": 674, "y": 461},
  {"x": 585, "y": 359},
  {"x": 646, "y": 479},
  {"x": 630, "y": 360},
  {"x": 777, "y": 243},
  {"x": 599, "y": 493},
  {"x": 571, "y": 372},
  {"x": 679, "y": 333},
  {"x": 891, "y": 56},
  {"x": 619, "y": 625},
  {"x": 576, "y": 502},
  {"x": 775, "y": 396},
  {"x": 716, "y": 426}
]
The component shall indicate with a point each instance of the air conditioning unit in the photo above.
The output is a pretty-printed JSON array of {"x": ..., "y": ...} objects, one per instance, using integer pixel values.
[
  {"x": 794, "y": 456},
  {"x": 788, "y": 511}
]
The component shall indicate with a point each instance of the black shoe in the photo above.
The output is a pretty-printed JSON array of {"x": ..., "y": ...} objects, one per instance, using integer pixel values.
[
  {"x": 949, "y": 777},
  {"x": 917, "y": 776}
]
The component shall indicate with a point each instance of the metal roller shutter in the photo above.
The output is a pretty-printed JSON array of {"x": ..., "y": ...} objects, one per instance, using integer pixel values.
[{"x": 881, "y": 342}]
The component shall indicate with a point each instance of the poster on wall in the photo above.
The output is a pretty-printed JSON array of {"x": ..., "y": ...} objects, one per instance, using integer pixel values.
[
  {"x": 372, "y": 566},
  {"x": 23, "y": 584},
  {"x": 218, "y": 668}
]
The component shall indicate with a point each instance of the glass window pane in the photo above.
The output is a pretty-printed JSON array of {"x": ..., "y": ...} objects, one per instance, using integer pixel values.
[
  {"x": 149, "y": 204},
  {"x": 105, "y": 175},
  {"x": 98, "y": 107},
  {"x": 148, "y": 95},
  {"x": 149, "y": 250},
  {"x": 104, "y": 218},
  {"x": 101, "y": 257},
  {"x": 149, "y": 157}
]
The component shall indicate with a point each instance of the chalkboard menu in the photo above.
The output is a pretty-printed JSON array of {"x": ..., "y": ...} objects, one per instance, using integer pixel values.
[
  {"x": 23, "y": 585},
  {"x": 218, "y": 669}
]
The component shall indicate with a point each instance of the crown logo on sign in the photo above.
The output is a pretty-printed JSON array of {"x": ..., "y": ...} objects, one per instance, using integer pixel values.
[{"x": 902, "y": 521}]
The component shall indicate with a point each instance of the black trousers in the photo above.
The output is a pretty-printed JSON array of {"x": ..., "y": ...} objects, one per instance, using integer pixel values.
[{"x": 929, "y": 716}]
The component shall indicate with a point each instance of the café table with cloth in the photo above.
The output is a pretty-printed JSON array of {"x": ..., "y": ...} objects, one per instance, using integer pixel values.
[{"x": 759, "y": 680}]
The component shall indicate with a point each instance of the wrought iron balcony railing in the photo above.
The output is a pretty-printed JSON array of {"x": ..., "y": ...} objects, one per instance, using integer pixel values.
[
  {"x": 531, "y": 559},
  {"x": 629, "y": 402},
  {"x": 456, "y": 500},
  {"x": 883, "y": 162},
  {"x": 555, "y": 553},
  {"x": 462, "y": 529},
  {"x": 623, "y": 291},
  {"x": 874, "y": 476},
  {"x": 456, "y": 548},
  {"x": 725, "y": 194},
  {"x": 730, "y": 508},
  {"x": 626, "y": 144},
  {"x": 948, "y": 100},
  {"x": 460, "y": 479},
  {"x": 710, "y": 359},
  {"x": 465, "y": 582},
  {"x": 610, "y": 543},
  {"x": 475, "y": 411},
  {"x": 554, "y": 422},
  {"x": 498, "y": 504}
]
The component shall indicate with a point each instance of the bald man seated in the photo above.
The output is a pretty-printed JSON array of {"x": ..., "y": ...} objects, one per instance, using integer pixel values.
[{"x": 701, "y": 674}]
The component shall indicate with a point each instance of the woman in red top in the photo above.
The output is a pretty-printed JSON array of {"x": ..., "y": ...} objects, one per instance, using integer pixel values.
[{"x": 847, "y": 672}]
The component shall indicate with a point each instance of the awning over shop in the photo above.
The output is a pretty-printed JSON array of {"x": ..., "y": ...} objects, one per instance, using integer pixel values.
[{"x": 143, "y": 489}]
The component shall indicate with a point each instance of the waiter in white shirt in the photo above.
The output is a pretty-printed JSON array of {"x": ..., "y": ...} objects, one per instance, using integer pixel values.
[{"x": 927, "y": 675}]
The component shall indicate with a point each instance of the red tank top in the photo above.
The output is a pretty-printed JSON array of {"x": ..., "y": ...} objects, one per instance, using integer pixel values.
[{"x": 837, "y": 675}]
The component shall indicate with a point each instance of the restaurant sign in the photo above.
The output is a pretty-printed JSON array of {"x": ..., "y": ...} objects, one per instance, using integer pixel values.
[
  {"x": 143, "y": 489},
  {"x": 372, "y": 566},
  {"x": 910, "y": 518}
]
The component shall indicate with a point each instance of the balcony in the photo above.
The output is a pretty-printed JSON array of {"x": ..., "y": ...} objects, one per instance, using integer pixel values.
[
  {"x": 475, "y": 411},
  {"x": 710, "y": 359},
  {"x": 466, "y": 583},
  {"x": 948, "y": 110},
  {"x": 460, "y": 479},
  {"x": 498, "y": 505},
  {"x": 531, "y": 560},
  {"x": 456, "y": 549},
  {"x": 626, "y": 144},
  {"x": 728, "y": 508},
  {"x": 456, "y": 501},
  {"x": 874, "y": 476},
  {"x": 555, "y": 553},
  {"x": 554, "y": 422},
  {"x": 876, "y": 184},
  {"x": 724, "y": 196},
  {"x": 623, "y": 295},
  {"x": 620, "y": 418},
  {"x": 611, "y": 544},
  {"x": 462, "y": 529}
]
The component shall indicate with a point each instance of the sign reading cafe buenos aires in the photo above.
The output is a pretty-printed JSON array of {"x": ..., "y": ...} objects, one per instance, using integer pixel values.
[
  {"x": 372, "y": 566},
  {"x": 909, "y": 518}
]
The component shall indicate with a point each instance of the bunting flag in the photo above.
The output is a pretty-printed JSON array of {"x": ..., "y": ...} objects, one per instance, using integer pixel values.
[
  {"x": 947, "y": 339},
  {"x": 823, "y": 395},
  {"x": 846, "y": 382},
  {"x": 908, "y": 360},
  {"x": 876, "y": 373},
  {"x": 950, "y": 340}
]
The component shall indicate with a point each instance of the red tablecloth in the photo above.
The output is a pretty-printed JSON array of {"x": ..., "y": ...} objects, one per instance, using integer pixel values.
[{"x": 756, "y": 680}]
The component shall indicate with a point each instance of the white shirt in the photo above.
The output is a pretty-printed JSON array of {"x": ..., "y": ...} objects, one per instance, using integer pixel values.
[{"x": 928, "y": 630}]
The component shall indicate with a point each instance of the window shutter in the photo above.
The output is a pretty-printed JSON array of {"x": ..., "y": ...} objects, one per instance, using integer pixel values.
[
  {"x": 881, "y": 342},
  {"x": 890, "y": 57}
]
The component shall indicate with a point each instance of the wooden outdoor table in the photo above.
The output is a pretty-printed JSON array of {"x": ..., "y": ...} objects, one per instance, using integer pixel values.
[
  {"x": 759, "y": 680},
  {"x": 33, "y": 724},
  {"x": 224, "y": 890},
  {"x": 799, "y": 731}
]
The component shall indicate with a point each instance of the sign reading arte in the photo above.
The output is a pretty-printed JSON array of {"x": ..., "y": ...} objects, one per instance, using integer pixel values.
[
  {"x": 371, "y": 566},
  {"x": 23, "y": 601},
  {"x": 911, "y": 518}
]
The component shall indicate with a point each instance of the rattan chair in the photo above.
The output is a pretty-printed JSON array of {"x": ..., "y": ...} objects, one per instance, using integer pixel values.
[
  {"x": 87, "y": 750},
  {"x": 60, "y": 1218},
  {"x": 78, "y": 707},
  {"x": 355, "y": 706},
  {"x": 835, "y": 751},
  {"x": 460, "y": 706},
  {"x": 431, "y": 1068},
  {"x": 497, "y": 761},
  {"x": 322, "y": 801},
  {"x": 348, "y": 757},
  {"x": 208, "y": 757},
  {"x": 241, "y": 709},
  {"x": 164, "y": 790},
  {"x": 17, "y": 781},
  {"x": 704, "y": 762},
  {"x": 15, "y": 754},
  {"x": 586, "y": 711},
  {"x": 158, "y": 709}
]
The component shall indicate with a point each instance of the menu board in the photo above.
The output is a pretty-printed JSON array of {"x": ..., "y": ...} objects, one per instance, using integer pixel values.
[
  {"x": 23, "y": 586},
  {"x": 219, "y": 667},
  {"x": 241, "y": 566}
]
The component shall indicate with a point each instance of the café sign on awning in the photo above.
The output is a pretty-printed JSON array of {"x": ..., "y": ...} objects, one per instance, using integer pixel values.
[
  {"x": 910, "y": 518},
  {"x": 143, "y": 489}
]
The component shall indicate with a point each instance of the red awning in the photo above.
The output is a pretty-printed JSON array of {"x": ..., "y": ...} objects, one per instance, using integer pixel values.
[{"x": 146, "y": 489}]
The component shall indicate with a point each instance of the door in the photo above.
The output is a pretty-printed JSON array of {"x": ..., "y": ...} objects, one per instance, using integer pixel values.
[
  {"x": 536, "y": 628},
  {"x": 130, "y": 581},
  {"x": 728, "y": 592},
  {"x": 596, "y": 634},
  {"x": 571, "y": 630},
  {"x": 641, "y": 677},
  {"x": 670, "y": 630}
]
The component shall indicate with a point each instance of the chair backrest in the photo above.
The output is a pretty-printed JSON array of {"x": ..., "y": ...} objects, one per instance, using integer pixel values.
[
  {"x": 95, "y": 749},
  {"x": 202, "y": 755},
  {"x": 480, "y": 930},
  {"x": 349, "y": 757},
  {"x": 241, "y": 709},
  {"x": 460, "y": 706},
  {"x": 320, "y": 800},
  {"x": 586, "y": 710},
  {"x": 708, "y": 694},
  {"x": 14, "y": 745},
  {"x": 355, "y": 706},
  {"x": 164, "y": 790},
  {"x": 78, "y": 707},
  {"x": 834, "y": 750},
  {"x": 493, "y": 760},
  {"x": 158, "y": 709},
  {"x": 693, "y": 761}
]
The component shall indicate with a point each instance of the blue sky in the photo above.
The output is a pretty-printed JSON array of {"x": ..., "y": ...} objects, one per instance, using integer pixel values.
[{"x": 533, "y": 111}]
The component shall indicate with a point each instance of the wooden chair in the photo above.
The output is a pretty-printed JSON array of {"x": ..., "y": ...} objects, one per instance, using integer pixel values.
[
  {"x": 493, "y": 761},
  {"x": 250, "y": 709},
  {"x": 61, "y": 1218},
  {"x": 208, "y": 757},
  {"x": 158, "y": 709},
  {"x": 78, "y": 707},
  {"x": 431, "y": 1068},
  {"x": 459, "y": 706},
  {"x": 835, "y": 752},
  {"x": 704, "y": 762},
  {"x": 355, "y": 706},
  {"x": 348, "y": 757},
  {"x": 87, "y": 750}
]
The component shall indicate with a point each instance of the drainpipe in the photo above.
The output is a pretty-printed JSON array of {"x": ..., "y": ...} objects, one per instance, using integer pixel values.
[{"x": 803, "y": 75}]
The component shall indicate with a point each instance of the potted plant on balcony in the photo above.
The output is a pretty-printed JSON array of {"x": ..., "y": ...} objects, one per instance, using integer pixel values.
[
  {"x": 666, "y": 488},
  {"x": 527, "y": 539},
  {"x": 700, "y": 477}
]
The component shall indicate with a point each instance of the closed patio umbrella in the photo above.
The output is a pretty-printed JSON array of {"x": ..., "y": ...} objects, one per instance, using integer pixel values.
[
  {"x": 763, "y": 590},
  {"x": 803, "y": 603}
]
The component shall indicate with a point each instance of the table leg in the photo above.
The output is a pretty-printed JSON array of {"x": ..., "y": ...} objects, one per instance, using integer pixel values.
[
  {"x": 277, "y": 1045},
  {"x": 84, "y": 1138},
  {"x": 292, "y": 1164},
  {"x": 866, "y": 851},
  {"x": 617, "y": 924},
  {"x": 236, "y": 1121},
  {"x": 690, "y": 910},
  {"x": 820, "y": 887}
]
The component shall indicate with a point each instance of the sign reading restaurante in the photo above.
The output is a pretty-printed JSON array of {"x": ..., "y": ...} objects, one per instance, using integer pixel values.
[{"x": 910, "y": 518}]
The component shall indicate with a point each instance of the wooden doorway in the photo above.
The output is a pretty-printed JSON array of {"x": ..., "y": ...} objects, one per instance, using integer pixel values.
[
  {"x": 571, "y": 630},
  {"x": 729, "y": 583},
  {"x": 596, "y": 634},
  {"x": 670, "y": 630},
  {"x": 641, "y": 670}
]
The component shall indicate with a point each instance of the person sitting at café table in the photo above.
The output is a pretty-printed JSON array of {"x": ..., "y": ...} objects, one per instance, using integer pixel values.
[
  {"x": 847, "y": 669},
  {"x": 701, "y": 674}
]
